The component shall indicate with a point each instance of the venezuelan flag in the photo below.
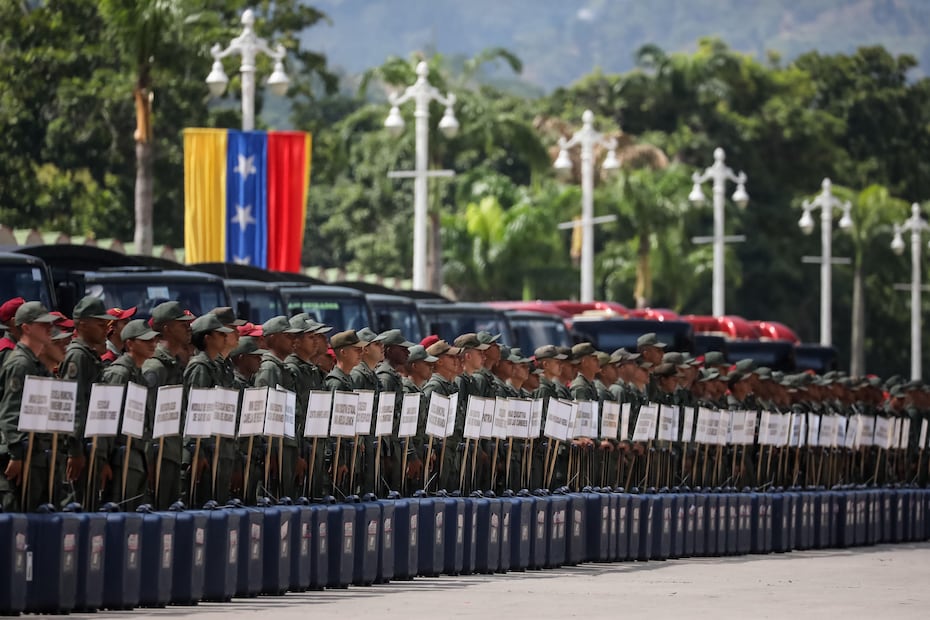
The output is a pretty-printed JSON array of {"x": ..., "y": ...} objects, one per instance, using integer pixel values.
[{"x": 245, "y": 196}]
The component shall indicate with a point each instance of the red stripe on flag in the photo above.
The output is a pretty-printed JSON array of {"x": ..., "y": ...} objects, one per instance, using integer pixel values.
[{"x": 287, "y": 177}]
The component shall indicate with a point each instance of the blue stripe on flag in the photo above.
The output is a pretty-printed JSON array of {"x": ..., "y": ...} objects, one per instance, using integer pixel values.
[{"x": 246, "y": 198}]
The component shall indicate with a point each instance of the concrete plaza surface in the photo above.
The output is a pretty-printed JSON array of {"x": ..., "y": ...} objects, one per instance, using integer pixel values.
[{"x": 889, "y": 581}]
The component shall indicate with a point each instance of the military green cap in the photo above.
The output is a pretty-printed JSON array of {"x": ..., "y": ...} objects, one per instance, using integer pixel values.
[
  {"x": 516, "y": 356},
  {"x": 278, "y": 325},
  {"x": 33, "y": 312},
  {"x": 714, "y": 358},
  {"x": 344, "y": 339},
  {"x": 138, "y": 329},
  {"x": 674, "y": 357},
  {"x": 549, "y": 352},
  {"x": 582, "y": 349},
  {"x": 247, "y": 346},
  {"x": 621, "y": 356},
  {"x": 60, "y": 334},
  {"x": 441, "y": 347},
  {"x": 91, "y": 307},
  {"x": 227, "y": 316},
  {"x": 470, "y": 341},
  {"x": 665, "y": 369},
  {"x": 649, "y": 340},
  {"x": 487, "y": 337},
  {"x": 394, "y": 338},
  {"x": 602, "y": 358},
  {"x": 418, "y": 354},
  {"x": 209, "y": 323},
  {"x": 170, "y": 311},
  {"x": 764, "y": 373},
  {"x": 368, "y": 335},
  {"x": 708, "y": 374},
  {"x": 301, "y": 322}
]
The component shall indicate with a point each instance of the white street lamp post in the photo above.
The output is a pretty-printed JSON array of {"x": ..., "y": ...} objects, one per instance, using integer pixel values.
[
  {"x": 916, "y": 225},
  {"x": 422, "y": 94},
  {"x": 826, "y": 202},
  {"x": 720, "y": 174},
  {"x": 587, "y": 138},
  {"x": 247, "y": 45}
]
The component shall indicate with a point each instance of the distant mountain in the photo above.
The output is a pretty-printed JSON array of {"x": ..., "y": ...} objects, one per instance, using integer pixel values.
[{"x": 561, "y": 40}]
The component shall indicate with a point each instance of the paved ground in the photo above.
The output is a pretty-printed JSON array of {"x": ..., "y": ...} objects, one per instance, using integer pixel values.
[{"x": 882, "y": 582}]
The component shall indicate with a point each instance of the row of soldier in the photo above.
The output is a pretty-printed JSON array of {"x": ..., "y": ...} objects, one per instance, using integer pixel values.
[{"x": 297, "y": 355}]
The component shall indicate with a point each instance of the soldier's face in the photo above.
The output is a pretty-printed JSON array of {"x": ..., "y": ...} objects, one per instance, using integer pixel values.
[
  {"x": 652, "y": 354},
  {"x": 142, "y": 348},
  {"x": 39, "y": 333},
  {"x": 94, "y": 331}
]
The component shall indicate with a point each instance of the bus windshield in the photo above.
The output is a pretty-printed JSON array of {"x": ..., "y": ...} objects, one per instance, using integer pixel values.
[
  {"x": 26, "y": 281},
  {"x": 198, "y": 297},
  {"x": 341, "y": 312}
]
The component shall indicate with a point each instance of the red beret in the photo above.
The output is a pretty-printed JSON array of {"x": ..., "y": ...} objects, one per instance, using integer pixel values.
[
  {"x": 429, "y": 340},
  {"x": 250, "y": 329},
  {"x": 63, "y": 321},
  {"x": 9, "y": 308},
  {"x": 120, "y": 315}
]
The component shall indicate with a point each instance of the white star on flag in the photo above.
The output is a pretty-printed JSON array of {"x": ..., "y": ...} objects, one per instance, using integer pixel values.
[
  {"x": 246, "y": 166},
  {"x": 243, "y": 217},
  {"x": 242, "y": 260}
]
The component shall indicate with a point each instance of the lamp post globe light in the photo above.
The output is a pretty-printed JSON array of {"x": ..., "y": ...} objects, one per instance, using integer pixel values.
[
  {"x": 916, "y": 225},
  {"x": 248, "y": 45},
  {"x": 826, "y": 202},
  {"x": 719, "y": 173},
  {"x": 422, "y": 93},
  {"x": 587, "y": 138}
]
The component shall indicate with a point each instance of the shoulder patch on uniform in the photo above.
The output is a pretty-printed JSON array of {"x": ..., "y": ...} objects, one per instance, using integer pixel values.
[
  {"x": 14, "y": 385},
  {"x": 72, "y": 371}
]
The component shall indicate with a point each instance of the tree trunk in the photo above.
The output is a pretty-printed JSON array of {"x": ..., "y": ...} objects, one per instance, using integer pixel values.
[
  {"x": 857, "y": 346},
  {"x": 643, "y": 291},
  {"x": 144, "y": 173}
]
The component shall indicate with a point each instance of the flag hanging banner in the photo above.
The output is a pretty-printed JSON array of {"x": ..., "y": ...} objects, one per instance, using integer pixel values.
[{"x": 245, "y": 197}]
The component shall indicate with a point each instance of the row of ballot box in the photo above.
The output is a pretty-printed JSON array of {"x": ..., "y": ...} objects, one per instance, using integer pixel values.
[{"x": 57, "y": 562}]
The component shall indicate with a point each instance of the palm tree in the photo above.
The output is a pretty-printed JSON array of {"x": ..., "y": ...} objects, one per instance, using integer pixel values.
[
  {"x": 142, "y": 28},
  {"x": 874, "y": 210}
]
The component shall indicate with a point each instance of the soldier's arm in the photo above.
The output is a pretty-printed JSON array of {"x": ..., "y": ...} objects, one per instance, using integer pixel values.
[
  {"x": 12, "y": 379},
  {"x": 73, "y": 370}
]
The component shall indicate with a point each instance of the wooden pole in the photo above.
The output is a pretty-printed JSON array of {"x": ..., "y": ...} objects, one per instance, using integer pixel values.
[
  {"x": 194, "y": 468},
  {"x": 464, "y": 466},
  {"x": 336, "y": 464},
  {"x": 497, "y": 443},
  {"x": 125, "y": 468},
  {"x": 91, "y": 487},
  {"x": 377, "y": 465},
  {"x": 216, "y": 461},
  {"x": 161, "y": 453},
  {"x": 248, "y": 468},
  {"x": 26, "y": 468},
  {"x": 268, "y": 463},
  {"x": 403, "y": 466},
  {"x": 352, "y": 464},
  {"x": 555, "y": 454},
  {"x": 429, "y": 457},
  {"x": 509, "y": 454},
  {"x": 51, "y": 470},
  {"x": 309, "y": 476}
]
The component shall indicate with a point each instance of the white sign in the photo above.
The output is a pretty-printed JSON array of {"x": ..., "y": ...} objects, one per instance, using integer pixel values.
[
  {"x": 867, "y": 434},
  {"x": 737, "y": 427},
  {"x": 646, "y": 423},
  {"x": 385, "y": 421},
  {"x": 134, "y": 411},
  {"x": 225, "y": 412},
  {"x": 519, "y": 421},
  {"x": 34, "y": 404},
  {"x": 364, "y": 411},
  {"x": 410, "y": 415},
  {"x": 827, "y": 431},
  {"x": 474, "y": 410},
  {"x": 585, "y": 423},
  {"x": 103, "y": 410},
  {"x": 437, "y": 415},
  {"x": 625, "y": 410},
  {"x": 702, "y": 432},
  {"x": 666, "y": 417},
  {"x": 252, "y": 419},
  {"x": 168, "y": 411},
  {"x": 342, "y": 423},
  {"x": 813, "y": 429},
  {"x": 687, "y": 433},
  {"x": 610, "y": 420},
  {"x": 319, "y": 409},
  {"x": 61, "y": 401},
  {"x": 751, "y": 418},
  {"x": 840, "y": 432},
  {"x": 487, "y": 418},
  {"x": 199, "y": 421},
  {"x": 558, "y": 417},
  {"x": 536, "y": 413},
  {"x": 764, "y": 429},
  {"x": 452, "y": 418},
  {"x": 290, "y": 413},
  {"x": 724, "y": 427},
  {"x": 501, "y": 422},
  {"x": 274, "y": 413}
]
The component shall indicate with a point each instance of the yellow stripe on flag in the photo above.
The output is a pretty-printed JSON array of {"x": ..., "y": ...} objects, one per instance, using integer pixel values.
[
  {"x": 204, "y": 195},
  {"x": 309, "y": 159}
]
